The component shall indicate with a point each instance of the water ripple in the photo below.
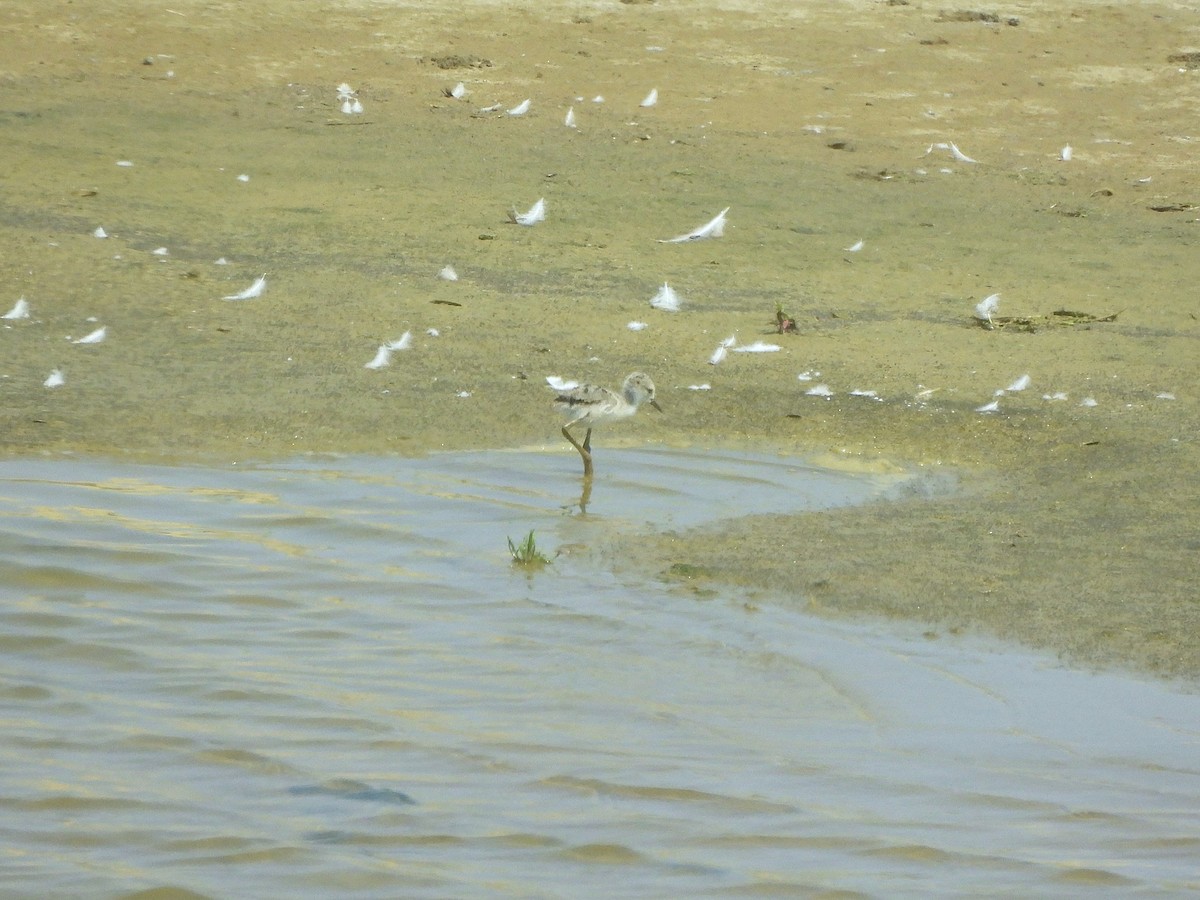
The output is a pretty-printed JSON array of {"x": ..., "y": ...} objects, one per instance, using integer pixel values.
[{"x": 323, "y": 678}]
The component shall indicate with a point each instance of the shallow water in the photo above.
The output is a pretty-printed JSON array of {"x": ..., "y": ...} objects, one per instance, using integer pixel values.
[{"x": 324, "y": 678}]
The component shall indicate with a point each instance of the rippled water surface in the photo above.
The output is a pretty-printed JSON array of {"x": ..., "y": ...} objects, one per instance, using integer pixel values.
[{"x": 324, "y": 678}]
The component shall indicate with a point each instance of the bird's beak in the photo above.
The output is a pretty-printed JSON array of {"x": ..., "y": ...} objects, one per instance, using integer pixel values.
[{"x": 654, "y": 403}]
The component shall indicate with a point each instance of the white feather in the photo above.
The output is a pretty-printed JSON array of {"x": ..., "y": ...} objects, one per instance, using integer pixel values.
[
  {"x": 636, "y": 326},
  {"x": 20, "y": 310},
  {"x": 458, "y": 91},
  {"x": 666, "y": 299},
  {"x": 520, "y": 109},
  {"x": 757, "y": 347},
  {"x": 537, "y": 213},
  {"x": 700, "y": 387},
  {"x": 94, "y": 338},
  {"x": 255, "y": 290},
  {"x": 448, "y": 274},
  {"x": 100, "y": 232},
  {"x": 718, "y": 355},
  {"x": 560, "y": 384},
  {"x": 651, "y": 98},
  {"x": 1066, "y": 154},
  {"x": 383, "y": 357},
  {"x": 569, "y": 121},
  {"x": 986, "y": 307},
  {"x": 992, "y": 407},
  {"x": 344, "y": 91},
  {"x": 855, "y": 247},
  {"x": 714, "y": 228},
  {"x": 953, "y": 150},
  {"x": 959, "y": 155},
  {"x": 347, "y": 107},
  {"x": 56, "y": 379},
  {"x": 1088, "y": 401},
  {"x": 162, "y": 251},
  {"x": 1020, "y": 384},
  {"x": 356, "y": 107},
  {"x": 819, "y": 390}
]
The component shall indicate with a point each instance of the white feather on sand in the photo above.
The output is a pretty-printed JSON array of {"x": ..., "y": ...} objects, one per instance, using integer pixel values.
[
  {"x": 666, "y": 299},
  {"x": 20, "y": 310},
  {"x": 95, "y": 337},
  {"x": 255, "y": 290},
  {"x": 537, "y": 213},
  {"x": 714, "y": 228}
]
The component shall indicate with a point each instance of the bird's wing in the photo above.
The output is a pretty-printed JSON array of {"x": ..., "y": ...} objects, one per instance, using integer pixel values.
[{"x": 582, "y": 396}]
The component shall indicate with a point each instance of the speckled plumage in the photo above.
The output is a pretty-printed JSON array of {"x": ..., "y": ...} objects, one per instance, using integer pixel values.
[{"x": 592, "y": 405}]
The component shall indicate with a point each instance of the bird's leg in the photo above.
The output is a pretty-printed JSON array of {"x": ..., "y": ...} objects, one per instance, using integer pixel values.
[
  {"x": 587, "y": 456},
  {"x": 574, "y": 443},
  {"x": 583, "y": 449}
]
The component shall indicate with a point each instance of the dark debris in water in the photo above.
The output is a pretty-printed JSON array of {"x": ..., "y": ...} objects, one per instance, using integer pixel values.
[{"x": 352, "y": 790}]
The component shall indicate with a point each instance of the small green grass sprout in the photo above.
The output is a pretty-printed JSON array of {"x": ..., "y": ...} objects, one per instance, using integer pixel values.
[{"x": 527, "y": 554}]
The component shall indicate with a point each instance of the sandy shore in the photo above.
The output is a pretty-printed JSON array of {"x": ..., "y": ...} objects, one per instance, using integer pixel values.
[{"x": 1074, "y": 527}]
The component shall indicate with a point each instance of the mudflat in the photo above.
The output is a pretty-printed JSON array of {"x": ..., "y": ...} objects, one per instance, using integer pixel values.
[{"x": 1073, "y": 523}]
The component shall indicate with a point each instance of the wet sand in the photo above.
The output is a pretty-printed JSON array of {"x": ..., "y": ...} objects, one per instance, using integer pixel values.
[{"x": 1073, "y": 527}]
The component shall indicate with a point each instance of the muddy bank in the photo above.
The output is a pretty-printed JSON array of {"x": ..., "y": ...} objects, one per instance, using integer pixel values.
[{"x": 1077, "y": 529}]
